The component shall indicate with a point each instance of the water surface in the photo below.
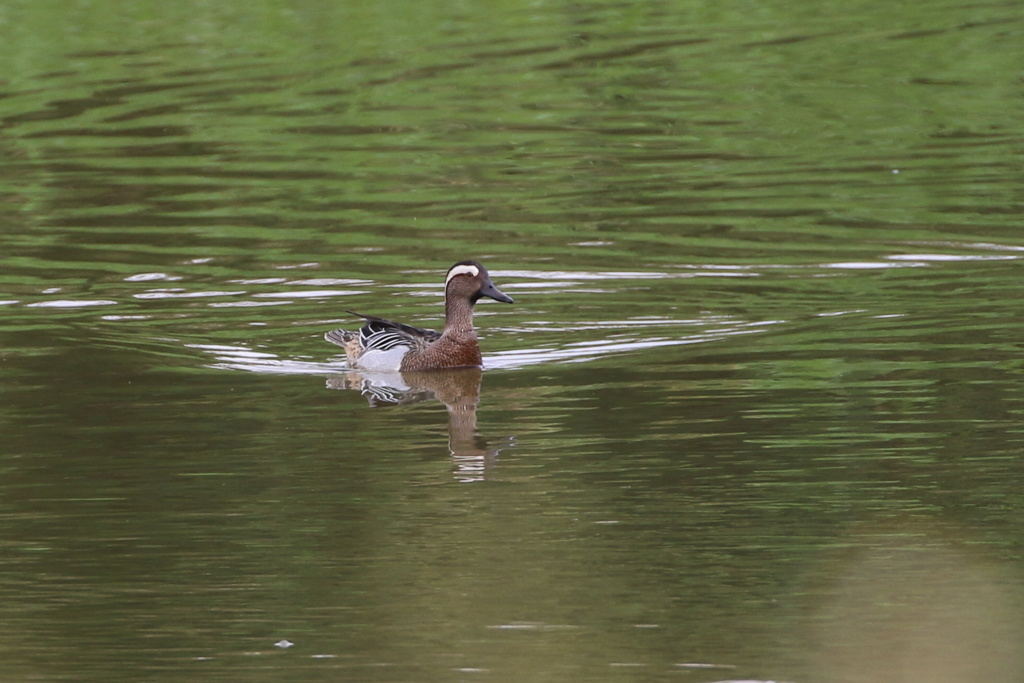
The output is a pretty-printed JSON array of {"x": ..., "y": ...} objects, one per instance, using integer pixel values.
[{"x": 755, "y": 415}]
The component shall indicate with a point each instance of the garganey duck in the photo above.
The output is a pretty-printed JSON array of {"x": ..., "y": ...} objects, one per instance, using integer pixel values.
[{"x": 385, "y": 346}]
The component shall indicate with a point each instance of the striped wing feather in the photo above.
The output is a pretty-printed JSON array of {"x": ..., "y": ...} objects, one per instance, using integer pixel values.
[{"x": 382, "y": 334}]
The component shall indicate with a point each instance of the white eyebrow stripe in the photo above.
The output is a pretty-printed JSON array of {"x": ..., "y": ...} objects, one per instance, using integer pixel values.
[{"x": 462, "y": 270}]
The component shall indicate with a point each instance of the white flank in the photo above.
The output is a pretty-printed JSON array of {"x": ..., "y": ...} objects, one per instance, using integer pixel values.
[
  {"x": 462, "y": 270},
  {"x": 377, "y": 360}
]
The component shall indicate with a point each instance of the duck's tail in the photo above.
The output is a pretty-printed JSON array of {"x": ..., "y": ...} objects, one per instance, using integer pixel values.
[{"x": 340, "y": 337}]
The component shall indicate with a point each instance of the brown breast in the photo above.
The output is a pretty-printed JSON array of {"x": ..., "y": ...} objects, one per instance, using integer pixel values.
[{"x": 444, "y": 353}]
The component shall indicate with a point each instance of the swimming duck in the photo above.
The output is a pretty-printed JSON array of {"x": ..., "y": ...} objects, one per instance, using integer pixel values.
[{"x": 385, "y": 346}]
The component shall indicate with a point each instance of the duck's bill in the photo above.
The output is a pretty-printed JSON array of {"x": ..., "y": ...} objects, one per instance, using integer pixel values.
[{"x": 489, "y": 290}]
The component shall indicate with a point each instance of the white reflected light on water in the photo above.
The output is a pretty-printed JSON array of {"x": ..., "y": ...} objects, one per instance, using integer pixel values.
[{"x": 232, "y": 357}]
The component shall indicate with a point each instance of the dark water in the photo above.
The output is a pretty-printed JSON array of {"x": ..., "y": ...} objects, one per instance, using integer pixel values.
[{"x": 755, "y": 415}]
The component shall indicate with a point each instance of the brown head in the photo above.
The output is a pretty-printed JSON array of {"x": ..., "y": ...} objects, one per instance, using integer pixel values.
[
  {"x": 466, "y": 283},
  {"x": 469, "y": 280}
]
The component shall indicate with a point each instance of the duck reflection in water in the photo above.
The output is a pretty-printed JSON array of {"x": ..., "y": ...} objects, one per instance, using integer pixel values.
[{"x": 458, "y": 389}]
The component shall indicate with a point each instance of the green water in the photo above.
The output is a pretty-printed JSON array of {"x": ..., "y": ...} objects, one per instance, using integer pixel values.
[{"x": 755, "y": 415}]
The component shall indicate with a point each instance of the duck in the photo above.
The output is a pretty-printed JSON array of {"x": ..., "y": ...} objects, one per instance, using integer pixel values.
[{"x": 384, "y": 346}]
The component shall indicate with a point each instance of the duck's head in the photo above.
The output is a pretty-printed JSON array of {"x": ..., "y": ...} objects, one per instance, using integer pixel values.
[{"x": 471, "y": 280}]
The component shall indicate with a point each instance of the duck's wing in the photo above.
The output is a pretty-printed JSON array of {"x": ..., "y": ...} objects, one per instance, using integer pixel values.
[{"x": 382, "y": 334}]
